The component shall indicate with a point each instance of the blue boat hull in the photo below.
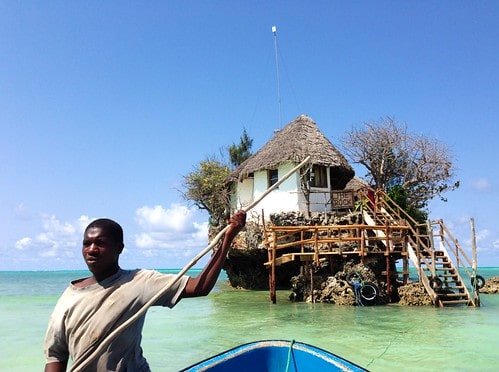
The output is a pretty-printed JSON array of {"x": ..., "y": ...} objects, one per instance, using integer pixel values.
[{"x": 275, "y": 355}]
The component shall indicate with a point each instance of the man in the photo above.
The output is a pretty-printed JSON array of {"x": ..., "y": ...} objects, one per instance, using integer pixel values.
[{"x": 91, "y": 308}]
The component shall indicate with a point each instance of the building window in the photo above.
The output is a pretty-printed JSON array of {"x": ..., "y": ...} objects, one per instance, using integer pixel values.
[
  {"x": 318, "y": 177},
  {"x": 273, "y": 176}
]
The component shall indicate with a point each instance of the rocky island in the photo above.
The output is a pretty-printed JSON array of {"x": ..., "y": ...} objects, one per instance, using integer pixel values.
[{"x": 327, "y": 236}]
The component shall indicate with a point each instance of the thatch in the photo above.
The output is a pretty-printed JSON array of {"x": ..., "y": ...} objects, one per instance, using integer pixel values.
[
  {"x": 356, "y": 183},
  {"x": 294, "y": 143}
]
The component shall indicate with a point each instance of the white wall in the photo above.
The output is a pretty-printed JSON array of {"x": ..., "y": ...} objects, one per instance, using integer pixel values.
[{"x": 288, "y": 197}]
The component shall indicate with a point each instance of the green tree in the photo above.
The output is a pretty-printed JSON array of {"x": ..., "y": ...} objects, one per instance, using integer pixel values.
[
  {"x": 400, "y": 197},
  {"x": 241, "y": 152},
  {"x": 205, "y": 187}
]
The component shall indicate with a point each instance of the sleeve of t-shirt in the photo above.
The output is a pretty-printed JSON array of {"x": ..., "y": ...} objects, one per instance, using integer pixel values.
[
  {"x": 55, "y": 345},
  {"x": 157, "y": 282}
]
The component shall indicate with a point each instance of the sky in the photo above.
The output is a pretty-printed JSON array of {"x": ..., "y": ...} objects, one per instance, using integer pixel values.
[{"x": 105, "y": 106}]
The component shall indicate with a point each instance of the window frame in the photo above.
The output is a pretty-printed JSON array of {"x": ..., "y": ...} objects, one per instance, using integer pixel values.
[
  {"x": 272, "y": 177},
  {"x": 318, "y": 177}
]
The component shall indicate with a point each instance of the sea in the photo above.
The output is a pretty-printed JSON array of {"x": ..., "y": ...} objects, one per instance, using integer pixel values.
[{"x": 380, "y": 338}]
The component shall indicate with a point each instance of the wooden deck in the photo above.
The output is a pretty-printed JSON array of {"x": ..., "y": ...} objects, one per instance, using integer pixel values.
[
  {"x": 319, "y": 244},
  {"x": 387, "y": 230}
]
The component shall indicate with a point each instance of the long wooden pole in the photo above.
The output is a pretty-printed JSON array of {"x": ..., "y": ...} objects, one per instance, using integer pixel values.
[
  {"x": 474, "y": 263},
  {"x": 473, "y": 245},
  {"x": 92, "y": 355}
]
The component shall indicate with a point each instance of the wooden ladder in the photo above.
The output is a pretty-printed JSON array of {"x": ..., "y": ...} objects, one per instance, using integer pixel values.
[
  {"x": 443, "y": 282},
  {"x": 436, "y": 270}
]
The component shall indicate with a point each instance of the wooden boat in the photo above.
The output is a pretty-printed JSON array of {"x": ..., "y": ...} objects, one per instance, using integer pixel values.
[{"x": 275, "y": 355}]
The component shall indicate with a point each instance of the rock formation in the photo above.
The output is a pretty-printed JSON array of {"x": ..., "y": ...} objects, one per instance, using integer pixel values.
[
  {"x": 356, "y": 284},
  {"x": 491, "y": 286},
  {"x": 414, "y": 294}
]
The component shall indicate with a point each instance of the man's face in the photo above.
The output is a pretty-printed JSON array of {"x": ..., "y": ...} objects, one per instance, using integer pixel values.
[{"x": 100, "y": 252}]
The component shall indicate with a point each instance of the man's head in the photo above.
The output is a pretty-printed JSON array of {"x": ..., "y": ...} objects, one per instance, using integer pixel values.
[
  {"x": 112, "y": 228},
  {"x": 102, "y": 245}
]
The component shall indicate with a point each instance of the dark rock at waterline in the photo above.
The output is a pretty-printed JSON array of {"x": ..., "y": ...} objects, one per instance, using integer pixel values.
[
  {"x": 356, "y": 284},
  {"x": 491, "y": 286},
  {"x": 245, "y": 269},
  {"x": 245, "y": 263},
  {"x": 414, "y": 294}
]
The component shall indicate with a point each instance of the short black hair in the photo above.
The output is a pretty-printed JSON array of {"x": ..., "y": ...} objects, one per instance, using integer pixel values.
[{"x": 112, "y": 227}]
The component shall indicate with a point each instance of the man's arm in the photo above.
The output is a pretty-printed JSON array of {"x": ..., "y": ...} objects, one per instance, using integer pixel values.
[
  {"x": 56, "y": 366},
  {"x": 202, "y": 284}
]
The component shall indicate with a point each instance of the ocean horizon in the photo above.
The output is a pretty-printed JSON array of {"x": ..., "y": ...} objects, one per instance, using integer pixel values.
[{"x": 378, "y": 338}]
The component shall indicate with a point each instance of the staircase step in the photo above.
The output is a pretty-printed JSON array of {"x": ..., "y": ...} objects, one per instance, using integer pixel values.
[
  {"x": 451, "y": 289},
  {"x": 456, "y": 302},
  {"x": 452, "y": 295}
]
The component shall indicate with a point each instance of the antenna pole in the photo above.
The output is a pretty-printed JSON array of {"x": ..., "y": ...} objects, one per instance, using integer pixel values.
[{"x": 274, "y": 31}]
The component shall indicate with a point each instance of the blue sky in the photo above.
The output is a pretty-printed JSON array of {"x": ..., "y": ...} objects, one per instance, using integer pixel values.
[{"x": 104, "y": 106}]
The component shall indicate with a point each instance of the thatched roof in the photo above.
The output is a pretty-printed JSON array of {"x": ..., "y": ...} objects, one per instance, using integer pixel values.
[
  {"x": 356, "y": 183},
  {"x": 294, "y": 143}
]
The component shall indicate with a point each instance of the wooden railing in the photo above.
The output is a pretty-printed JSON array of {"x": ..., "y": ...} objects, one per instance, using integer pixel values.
[
  {"x": 386, "y": 229},
  {"x": 316, "y": 243},
  {"x": 334, "y": 238},
  {"x": 460, "y": 258},
  {"x": 422, "y": 239}
]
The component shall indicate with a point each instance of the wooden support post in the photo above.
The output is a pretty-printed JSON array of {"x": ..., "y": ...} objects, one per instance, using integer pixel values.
[
  {"x": 388, "y": 281},
  {"x": 272, "y": 269},
  {"x": 302, "y": 238},
  {"x": 473, "y": 246},
  {"x": 388, "y": 236},
  {"x": 363, "y": 240},
  {"x": 432, "y": 247},
  {"x": 312, "y": 283},
  {"x": 316, "y": 246},
  {"x": 405, "y": 261},
  {"x": 476, "y": 294}
]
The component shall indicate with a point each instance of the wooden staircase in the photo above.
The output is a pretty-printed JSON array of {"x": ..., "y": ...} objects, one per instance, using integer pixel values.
[
  {"x": 440, "y": 278},
  {"x": 437, "y": 271}
]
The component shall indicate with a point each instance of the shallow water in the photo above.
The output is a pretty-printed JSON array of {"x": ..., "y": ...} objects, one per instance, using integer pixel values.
[{"x": 379, "y": 338}]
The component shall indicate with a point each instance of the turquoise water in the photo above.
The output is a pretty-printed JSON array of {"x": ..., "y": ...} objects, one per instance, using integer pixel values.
[{"x": 383, "y": 338}]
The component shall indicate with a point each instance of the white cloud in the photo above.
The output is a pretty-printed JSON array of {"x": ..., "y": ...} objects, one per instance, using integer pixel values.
[
  {"x": 24, "y": 243},
  {"x": 201, "y": 232},
  {"x": 482, "y": 235},
  {"x": 163, "y": 236},
  {"x": 172, "y": 228},
  {"x": 157, "y": 218},
  {"x": 57, "y": 239},
  {"x": 83, "y": 222},
  {"x": 54, "y": 227},
  {"x": 481, "y": 184}
]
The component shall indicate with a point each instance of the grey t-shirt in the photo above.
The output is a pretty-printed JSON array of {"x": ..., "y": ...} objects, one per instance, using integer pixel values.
[{"x": 83, "y": 317}]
